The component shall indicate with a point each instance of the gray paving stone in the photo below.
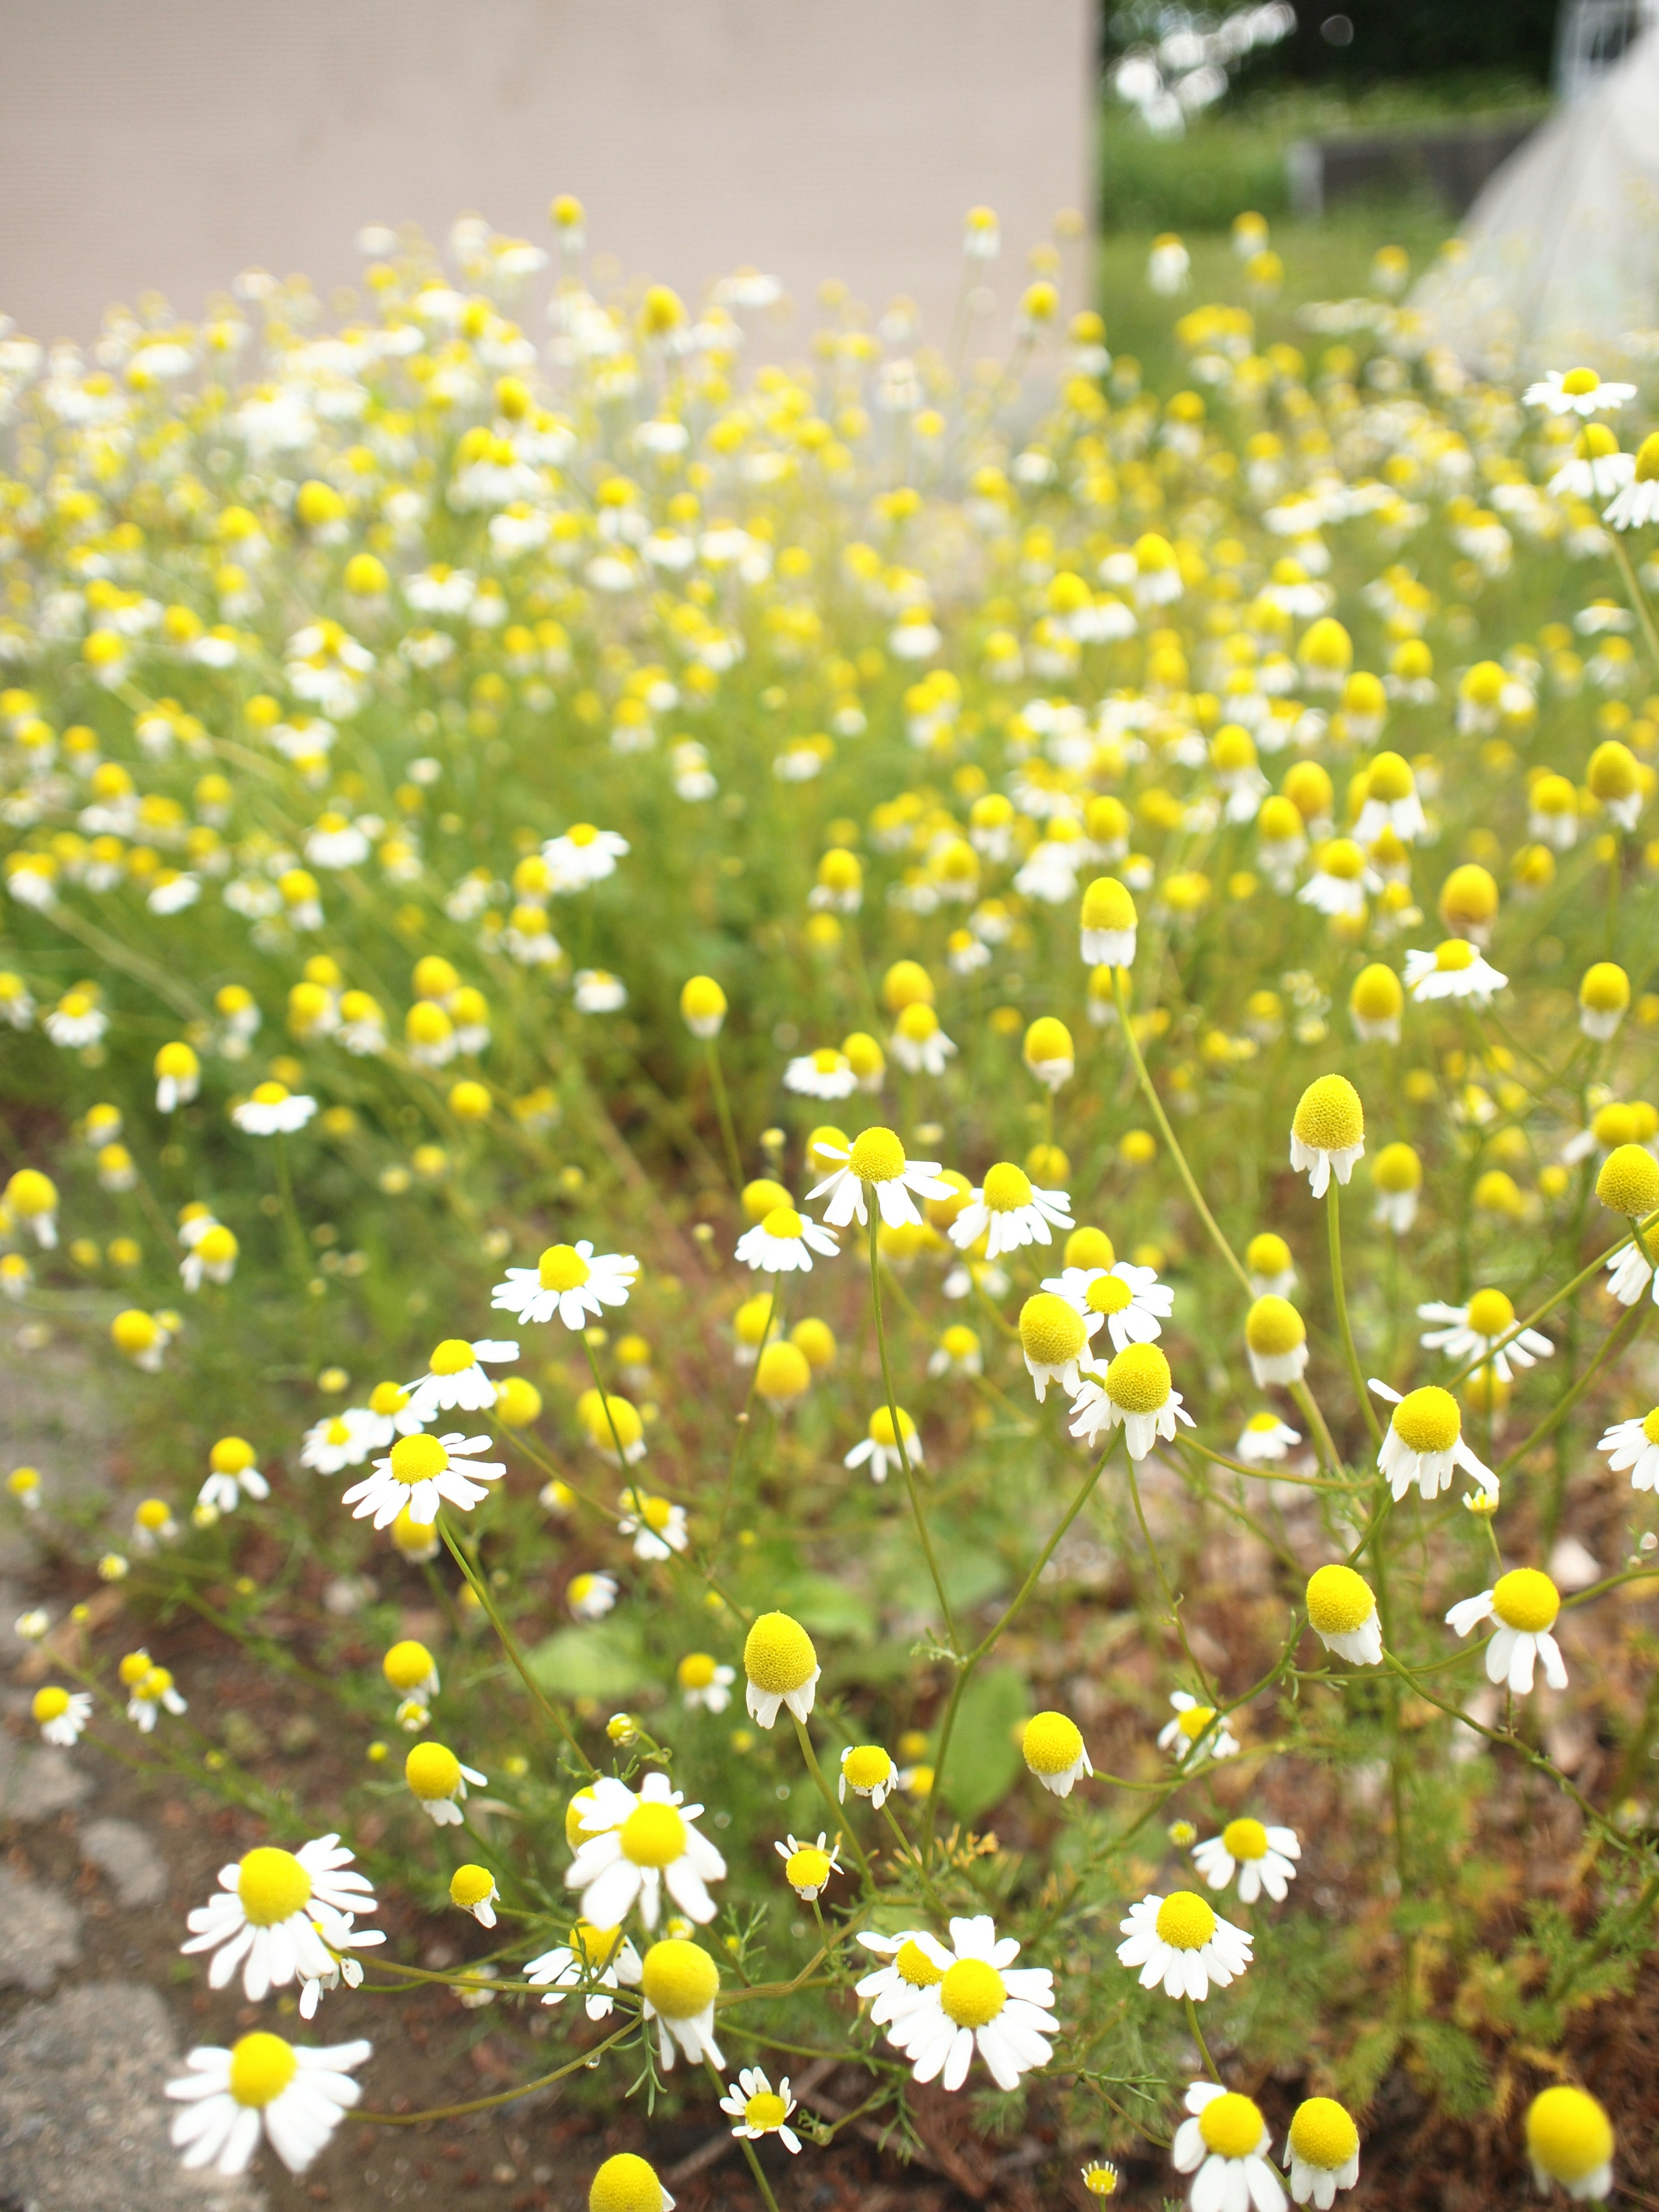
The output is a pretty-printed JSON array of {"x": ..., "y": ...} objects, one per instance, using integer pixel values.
[
  {"x": 127, "y": 1859},
  {"x": 43, "y": 1933},
  {"x": 83, "y": 2121},
  {"x": 36, "y": 1782}
]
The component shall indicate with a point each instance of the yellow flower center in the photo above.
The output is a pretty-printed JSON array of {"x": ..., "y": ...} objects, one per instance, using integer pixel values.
[
  {"x": 261, "y": 2068},
  {"x": 696, "y": 1670},
  {"x": 1107, "y": 1294},
  {"x": 765, "y": 2110},
  {"x": 1578, "y": 383},
  {"x": 1377, "y": 996},
  {"x": 778, "y": 1654},
  {"x": 783, "y": 1223},
  {"x": 1107, "y": 905},
  {"x": 1390, "y": 779},
  {"x": 1053, "y": 1743},
  {"x": 272, "y": 1886},
  {"x": 972, "y": 1993},
  {"x": 230, "y": 1456},
  {"x": 469, "y": 1886},
  {"x": 881, "y": 1427},
  {"x": 1194, "y": 1722},
  {"x": 1454, "y": 956},
  {"x": 679, "y": 1979},
  {"x": 1051, "y": 1331},
  {"x": 432, "y": 1770},
  {"x": 1650, "y": 1426},
  {"x": 826, "y": 1060},
  {"x": 1490, "y": 1313},
  {"x": 1274, "y": 1326},
  {"x": 1138, "y": 1380},
  {"x": 867, "y": 1766},
  {"x": 594, "y": 1947},
  {"x": 1427, "y": 1420},
  {"x": 625, "y": 2184},
  {"x": 1245, "y": 1839},
  {"x": 1323, "y": 2135},
  {"x": 654, "y": 1835},
  {"x": 453, "y": 1356},
  {"x": 582, "y": 833},
  {"x": 561, "y": 1268},
  {"x": 418, "y": 1459},
  {"x": 1343, "y": 859},
  {"x": 51, "y": 1704},
  {"x": 1629, "y": 1181},
  {"x": 1526, "y": 1600},
  {"x": 807, "y": 1869},
  {"x": 876, "y": 1155},
  {"x": 1231, "y": 2126},
  {"x": 407, "y": 1665},
  {"x": 1185, "y": 1922},
  {"x": 270, "y": 1094},
  {"x": 1339, "y": 1601},
  {"x": 1568, "y": 2133},
  {"x": 914, "y": 1966},
  {"x": 1006, "y": 1187},
  {"x": 1329, "y": 1117}
]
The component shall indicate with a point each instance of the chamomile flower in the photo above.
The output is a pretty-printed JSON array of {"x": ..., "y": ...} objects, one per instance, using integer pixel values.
[
  {"x": 868, "y": 1772},
  {"x": 60, "y": 1715},
  {"x": 1576, "y": 392},
  {"x": 1484, "y": 1330},
  {"x": 1194, "y": 1731},
  {"x": 278, "y": 1913},
  {"x": 1108, "y": 925},
  {"x": 1099, "y": 2177},
  {"x": 583, "y": 855},
  {"x": 679, "y": 1983},
  {"x": 657, "y": 1526},
  {"x": 1268, "y": 1263},
  {"x": 1053, "y": 1749},
  {"x": 421, "y": 1472},
  {"x": 1337, "y": 885},
  {"x": 1391, "y": 803},
  {"x": 437, "y": 1781},
  {"x": 1130, "y": 1301},
  {"x": 981, "y": 2002},
  {"x": 1009, "y": 1211},
  {"x": 296, "y": 2096},
  {"x": 1321, "y": 2152},
  {"x": 1342, "y": 1613},
  {"x": 455, "y": 1378},
  {"x": 595, "y": 1960},
  {"x": 153, "y": 1692},
  {"x": 570, "y": 1280},
  {"x": 1569, "y": 2140},
  {"x": 705, "y": 1685},
  {"x": 1182, "y": 1942},
  {"x": 784, "y": 1241},
  {"x": 274, "y": 1111},
  {"x": 878, "y": 1449},
  {"x": 781, "y": 1665},
  {"x": 1264, "y": 1440},
  {"x": 472, "y": 1888},
  {"x": 1276, "y": 1342},
  {"x": 807, "y": 1867},
  {"x": 1425, "y": 1443},
  {"x": 757, "y": 2110},
  {"x": 917, "y": 1964},
  {"x": 876, "y": 1161},
  {"x": 625, "y": 2183},
  {"x": 825, "y": 1074},
  {"x": 919, "y": 1044},
  {"x": 1453, "y": 970},
  {"x": 590, "y": 1596},
  {"x": 1635, "y": 1444},
  {"x": 1263, "y": 1858},
  {"x": 1397, "y": 1178},
  {"x": 1054, "y": 1340},
  {"x": 231, "y": 1471},
  {"x": 1525, "y": 1603},
  {"x": 1224, "y": 2142},
  {"x": 1136, "y": 1392},
  {"x": 1327, "y": 1133},
  {"x": 959, "y": 1352}
]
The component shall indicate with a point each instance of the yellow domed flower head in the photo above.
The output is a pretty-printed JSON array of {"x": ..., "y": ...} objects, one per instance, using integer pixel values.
[
  {"x": 1109, "y": 924},
  {"x": 906, "y": 983},
  {"x": 1326, "y": 654},
  {"x": 626, "y": 2183},
  {"x": 517, "y": 1402},
  {"x": 1276, "y": 1340},
  {"x": 1263, "y": 1857},
  {"x": 1327, "y": 1133},
  {"x": 1322, "y": 2151},
  {"x": 1009, "y": 1211},
  {"x": 472, "y": 1888},
  {"x": 1180, "y": 1941},
  {"x": 1224, "y": 2142},
  {"x": 411, "y": 1670},
  {"x": 1054, "y": 1338},
  {"x": 875, "y": 1162},
  {"x": 702, "y": 1006},
  {"x": 61, "y": 1715},
  {"x": 781, "y": 1665},
  {"x": 679, "y": 1984},
  {"x": 231, "y": 1471},
  {"x": 1090, "y": 1248},
  {"x": 1424, "y": 1442},
  {"x": 817, "y": 1340},
  {"x": 868, "y": 1770},
  {"x": 1569, "y": 2140},
  {"x": 416, "y": 1541},
  {"x": 1469, "y": 902},
  {"x": 1055, "y": 1751},
  {"x": 437, "y": 1781},
  {"x": 1397, "y": 1176},
  {"x": 178, "y": 1076},
  {"x": 1525, "y": 1603},
  {"x": 1603, "y": 1000},
  {"x": 1135, "y": 1393},
  {"x": 879, "y": 1447},
  {"x": 612, "y": 1426},
  {"x": 1485, "y": 1330},
  {"x": 807, "y": 1867},
  {"x": 32, "y": 1198},
  {"x": 1614, "y": 776},
  {"x": 263, "y": 2085},
  {"x": 784, "y": 1241},
  {"x": 783, "y": 1375},
  {"x": 1628, "y": 1181},
  {"x": 1100, "y": 2177},
  {"x": 1268, "y": 1263},
  {"x": 1048, "y": 1051},
  {"x": 1375, "y": 1005}
]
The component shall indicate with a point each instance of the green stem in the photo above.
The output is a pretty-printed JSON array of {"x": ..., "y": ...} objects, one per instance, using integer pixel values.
[
  {"x": 747, "y": 2147},
  {"x": 509, "y": 1644},
  {"x": 1344, "y": 1327},
  {"x": 1197, "y": 2038},
  {"x": 1168, "y": 1135},
  {"x": 898, "y": 1433},
  {"x": 723, "y": 1109},
  {"x": 910, "y": 1857}
]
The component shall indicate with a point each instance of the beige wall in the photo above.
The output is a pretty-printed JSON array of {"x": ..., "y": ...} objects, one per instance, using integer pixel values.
[{"x": 165, "y": 144}]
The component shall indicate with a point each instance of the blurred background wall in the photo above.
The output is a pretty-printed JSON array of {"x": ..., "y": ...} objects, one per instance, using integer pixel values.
[{"x": 169, "y": 145}]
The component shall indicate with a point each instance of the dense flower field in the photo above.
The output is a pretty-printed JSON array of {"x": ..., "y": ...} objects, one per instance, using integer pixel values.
[{"x": 883, "y": 1128}]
